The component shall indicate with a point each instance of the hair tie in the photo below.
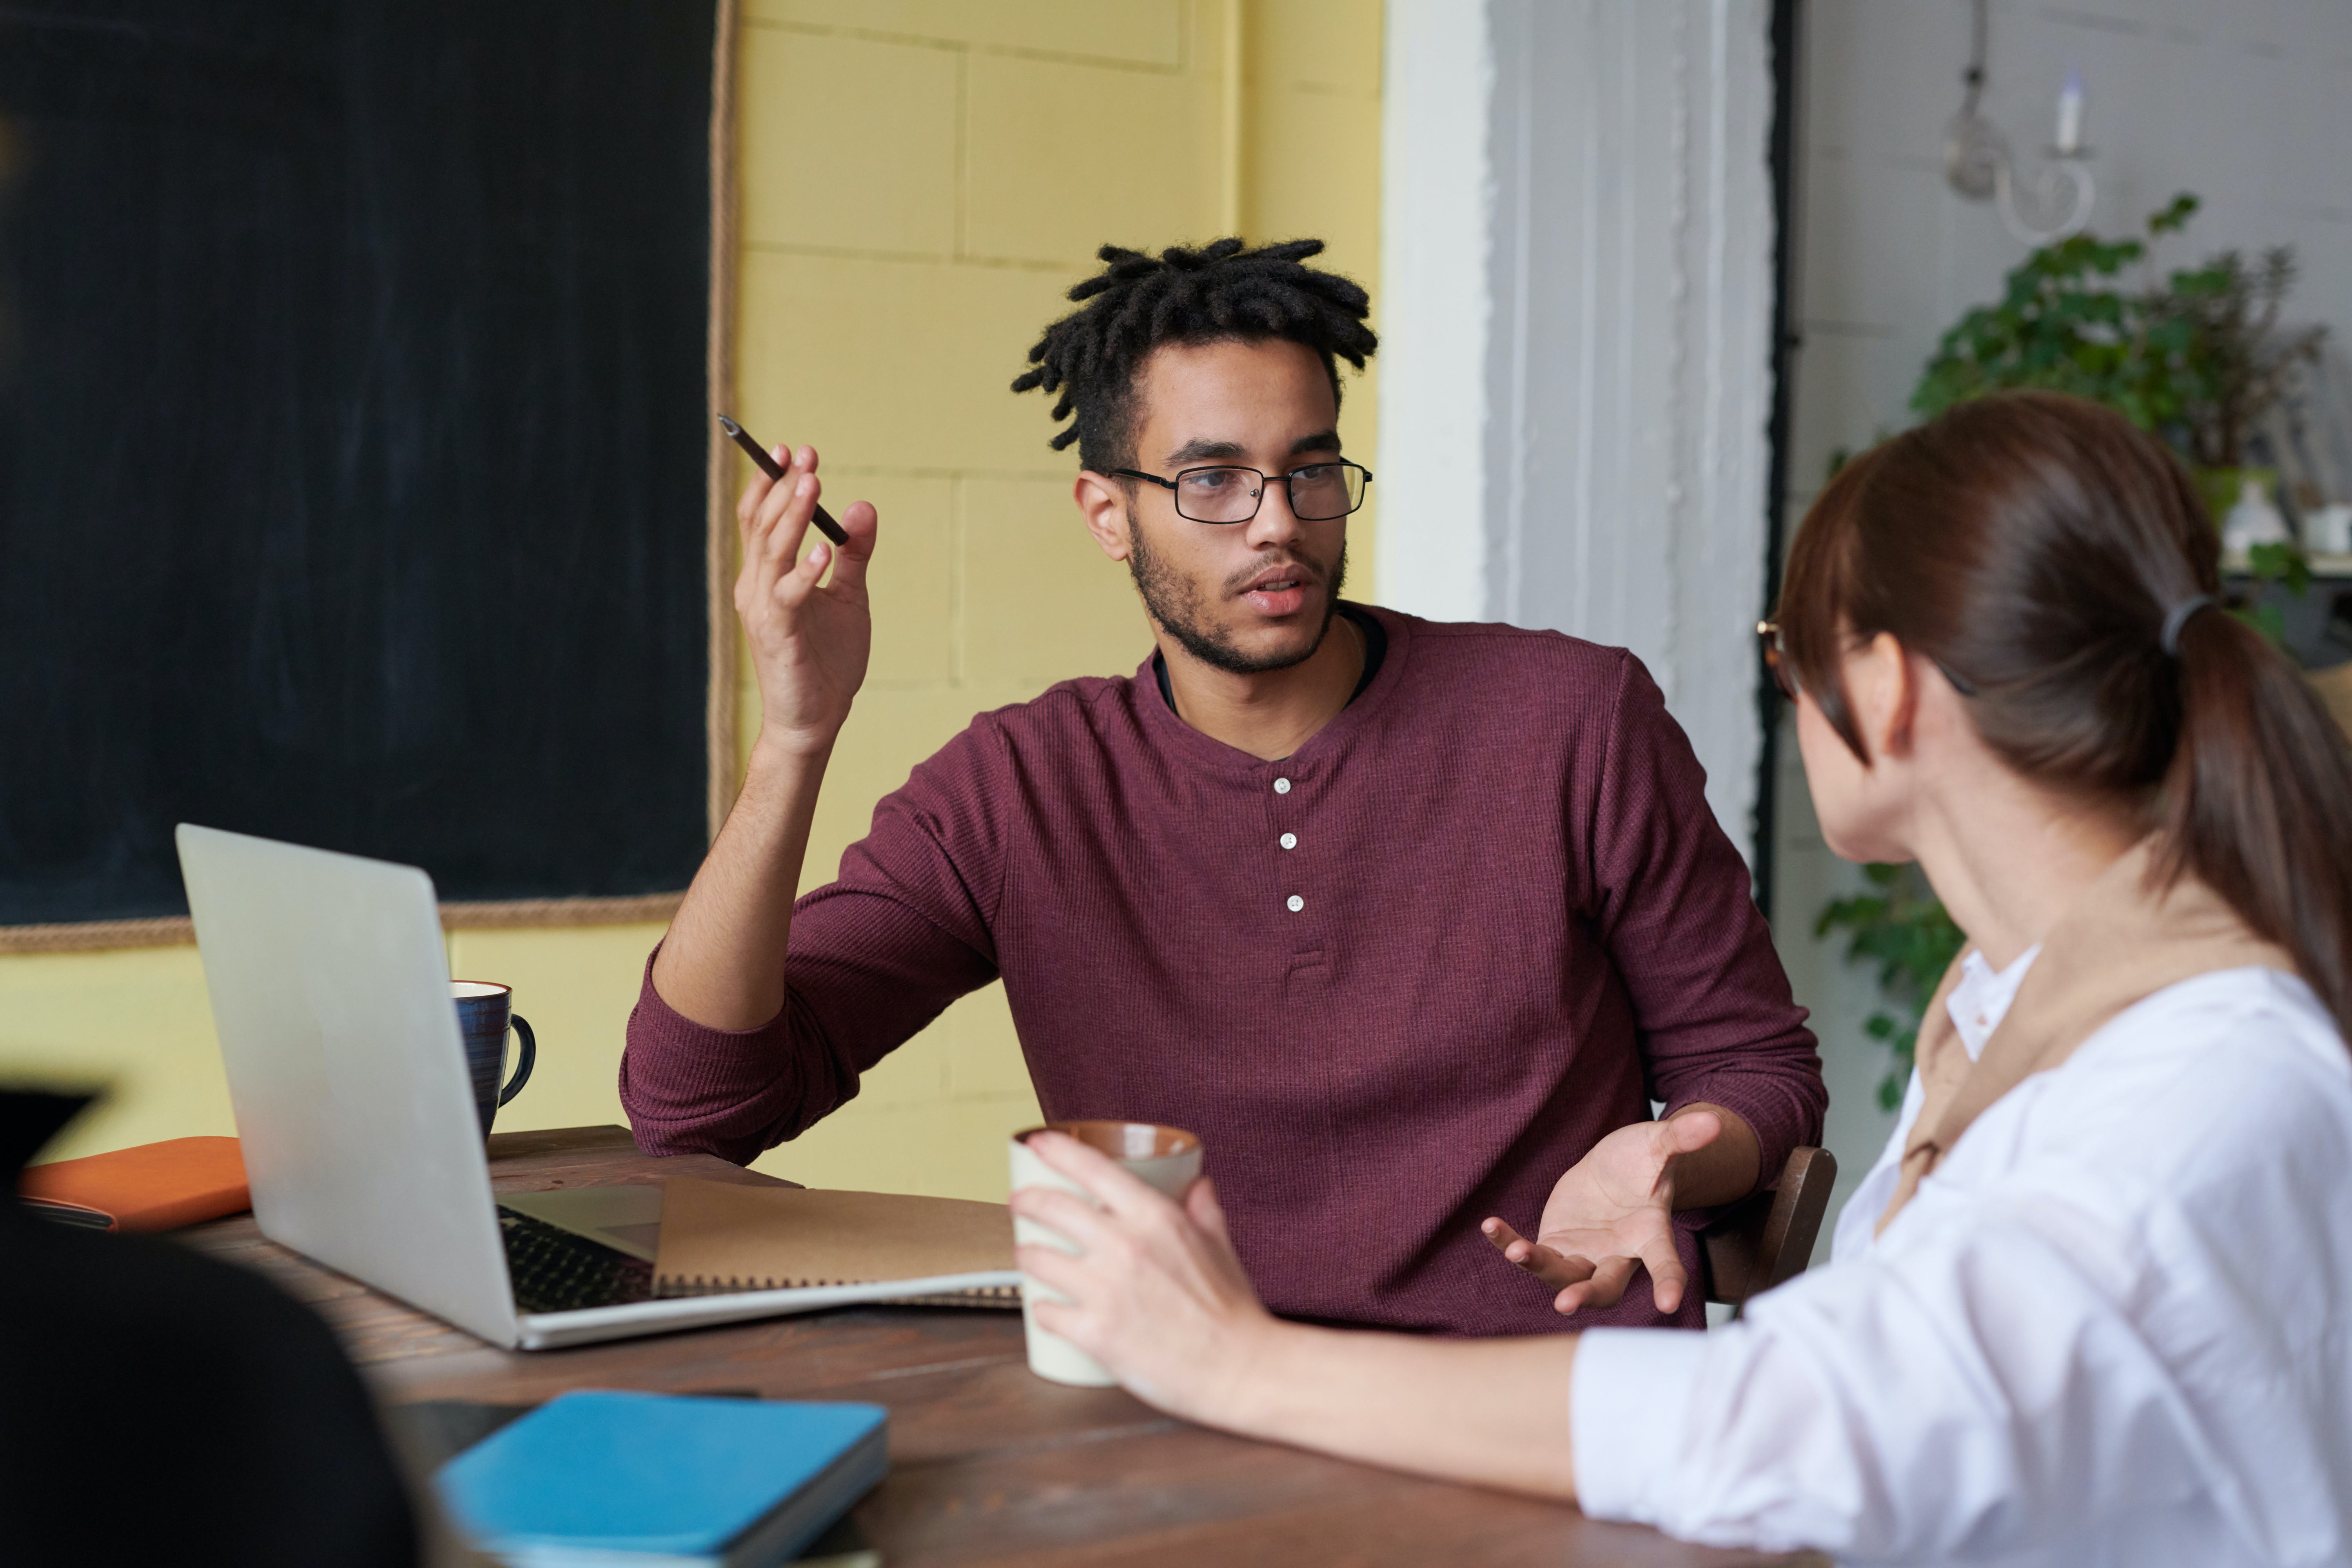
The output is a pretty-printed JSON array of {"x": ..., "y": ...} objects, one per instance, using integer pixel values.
[{"x": 2168, "y": 639}]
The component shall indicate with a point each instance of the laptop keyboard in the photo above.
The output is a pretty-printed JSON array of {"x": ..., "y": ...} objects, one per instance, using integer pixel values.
[{"x": 556, "y": 1272}]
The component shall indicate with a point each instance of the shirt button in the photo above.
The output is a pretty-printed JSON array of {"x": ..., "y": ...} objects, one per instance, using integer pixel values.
[
  {"x": 1282, "y": 786},
  {"x": 1296, "y": 903},
  {"x": 1290, "y": 841}
]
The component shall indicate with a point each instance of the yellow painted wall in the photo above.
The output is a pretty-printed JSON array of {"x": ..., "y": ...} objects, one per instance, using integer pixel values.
[{"x": 920, "y": 180}]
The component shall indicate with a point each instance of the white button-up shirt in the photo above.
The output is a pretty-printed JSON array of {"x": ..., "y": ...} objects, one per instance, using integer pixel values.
[{"x": 2114, "y": 1326}]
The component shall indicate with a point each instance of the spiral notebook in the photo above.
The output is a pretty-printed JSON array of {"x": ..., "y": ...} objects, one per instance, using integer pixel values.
[{"x": 719, "y": 1237}]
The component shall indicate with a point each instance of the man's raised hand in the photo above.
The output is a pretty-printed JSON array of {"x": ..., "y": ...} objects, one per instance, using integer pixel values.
[
  {"x": 809, "y": 637},
  {"x": 722, "y": 963}
]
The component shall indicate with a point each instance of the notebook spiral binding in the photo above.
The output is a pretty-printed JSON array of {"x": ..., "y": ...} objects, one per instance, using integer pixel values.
[
  {"x": 701, "y": 1285},
  {"x": 997, "y": 1296}
]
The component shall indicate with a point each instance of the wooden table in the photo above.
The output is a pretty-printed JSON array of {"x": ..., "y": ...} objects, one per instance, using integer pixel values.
[{"x": 988, "y": 1463}]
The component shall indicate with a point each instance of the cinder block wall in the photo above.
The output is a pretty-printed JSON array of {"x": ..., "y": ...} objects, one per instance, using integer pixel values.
[{"x": 921, "y": 181}]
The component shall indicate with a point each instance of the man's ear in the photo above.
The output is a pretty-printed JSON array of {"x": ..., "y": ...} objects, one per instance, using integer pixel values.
[
  {"x": 1102, "y": 502},
  {"x": 1885, "y": 689}
]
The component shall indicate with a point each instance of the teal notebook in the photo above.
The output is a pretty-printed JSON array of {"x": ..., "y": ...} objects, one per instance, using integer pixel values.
[{"x": 635, "y": 1480}]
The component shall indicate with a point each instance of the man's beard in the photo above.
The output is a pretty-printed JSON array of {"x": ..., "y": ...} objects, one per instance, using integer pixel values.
[{"x": 1175, "y": 603}]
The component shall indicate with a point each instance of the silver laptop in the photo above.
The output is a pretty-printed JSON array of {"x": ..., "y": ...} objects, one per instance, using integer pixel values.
[{"x": 331, "y": 992}]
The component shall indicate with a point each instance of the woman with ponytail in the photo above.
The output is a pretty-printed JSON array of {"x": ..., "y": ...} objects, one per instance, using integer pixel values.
[{"x": 2090, "y": 1305}]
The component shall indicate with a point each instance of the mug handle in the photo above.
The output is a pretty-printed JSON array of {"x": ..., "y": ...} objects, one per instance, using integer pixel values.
[{"x": 527, "y": 1059}]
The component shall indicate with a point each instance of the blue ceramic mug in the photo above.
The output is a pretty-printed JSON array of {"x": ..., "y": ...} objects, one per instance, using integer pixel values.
[{"x": 485, "y": 1008}]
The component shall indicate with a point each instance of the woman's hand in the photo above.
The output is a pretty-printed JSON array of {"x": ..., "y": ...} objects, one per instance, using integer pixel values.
[
  {"x": 1158, "y": 1296},
  {"x": 808, "y": 638},
  {"x": 1157, "y": 1293}
]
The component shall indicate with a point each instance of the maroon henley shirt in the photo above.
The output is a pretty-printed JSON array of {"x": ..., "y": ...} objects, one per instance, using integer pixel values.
[{"x": 1397, "y": 981}]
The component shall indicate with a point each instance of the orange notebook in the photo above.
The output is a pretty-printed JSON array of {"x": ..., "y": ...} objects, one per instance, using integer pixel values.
[{"x": 154, "y": 1187}]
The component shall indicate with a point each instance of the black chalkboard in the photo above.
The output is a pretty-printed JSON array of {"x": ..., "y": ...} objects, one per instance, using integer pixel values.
[{"x": 353, "y": 412}]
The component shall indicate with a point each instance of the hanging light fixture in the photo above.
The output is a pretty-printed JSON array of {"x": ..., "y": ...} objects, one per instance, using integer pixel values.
[{"x": 2056, "y": 201}]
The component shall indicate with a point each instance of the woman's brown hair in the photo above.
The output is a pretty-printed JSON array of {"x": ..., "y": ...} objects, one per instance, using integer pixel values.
[{"x": 2032, "y": 545}]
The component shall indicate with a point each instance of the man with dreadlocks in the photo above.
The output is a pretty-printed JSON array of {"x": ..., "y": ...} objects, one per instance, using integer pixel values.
[{"x": 1410, "y": 922}]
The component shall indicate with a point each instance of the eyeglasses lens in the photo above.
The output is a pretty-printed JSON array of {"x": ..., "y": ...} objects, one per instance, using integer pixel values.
[
  {"x": 1217, "y": 494},
  {"x": 1326, "y": 491}
]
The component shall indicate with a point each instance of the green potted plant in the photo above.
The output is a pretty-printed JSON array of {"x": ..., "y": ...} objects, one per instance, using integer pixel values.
[
  {"x": 2064, "y": 322},
  {"x": 2198, "y": 359},
  {"x": 2241, "y": 364},
  {"x": 1899, "y": 926}
]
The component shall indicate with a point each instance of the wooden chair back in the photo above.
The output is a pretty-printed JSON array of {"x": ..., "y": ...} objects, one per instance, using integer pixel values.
[
  {"x": 2334, "y": 684},
  {"x": 1768, "y": 1236}
]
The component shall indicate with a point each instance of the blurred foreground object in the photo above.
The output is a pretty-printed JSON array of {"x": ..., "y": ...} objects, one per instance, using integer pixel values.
[{"x": 163, "y": 1407}]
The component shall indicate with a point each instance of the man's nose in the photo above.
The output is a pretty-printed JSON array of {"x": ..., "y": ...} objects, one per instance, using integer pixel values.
[{"x": 1275, "y": 524}]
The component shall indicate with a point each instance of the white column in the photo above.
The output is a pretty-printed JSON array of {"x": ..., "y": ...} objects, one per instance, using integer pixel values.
[
  {"x": 1435, "y": 311},
  {"x": 1577, "y": 280}
]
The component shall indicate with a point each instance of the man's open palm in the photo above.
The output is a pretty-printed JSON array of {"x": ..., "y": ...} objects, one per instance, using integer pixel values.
[{"x": 1613, "y": 1211}]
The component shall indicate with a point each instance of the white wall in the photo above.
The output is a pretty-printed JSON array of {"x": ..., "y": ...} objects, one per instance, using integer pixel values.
[
  {"x": 1577, "y": 269},
  {"x": 2246, "y": 103},
  {"x": 1435, "y": 309}
]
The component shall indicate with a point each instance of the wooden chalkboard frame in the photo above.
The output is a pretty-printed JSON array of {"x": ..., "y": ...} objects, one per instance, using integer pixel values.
[
  {"x": 724, "y": 653},
  {"x": 719, "y": 532}
]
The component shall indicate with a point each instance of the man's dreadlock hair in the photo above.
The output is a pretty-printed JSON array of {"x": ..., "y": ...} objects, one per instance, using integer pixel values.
[{"x": 1222, "y": 290}]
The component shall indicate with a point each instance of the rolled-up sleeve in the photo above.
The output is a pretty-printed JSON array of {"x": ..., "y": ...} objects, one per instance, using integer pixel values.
[
  {"x": 1978, "y": 1390},
  {"x": 1629, "y": 1412}
]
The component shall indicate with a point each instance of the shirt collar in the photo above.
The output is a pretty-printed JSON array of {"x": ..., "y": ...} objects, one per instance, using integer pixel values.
[
  {"x": 1981, "y": 999},
  {"x": 1376, "y": 649},
  {"x": 1323, "y": 749}
]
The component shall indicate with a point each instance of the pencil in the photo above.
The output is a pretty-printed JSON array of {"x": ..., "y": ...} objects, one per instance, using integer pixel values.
[{"x": 768, "y": 465}]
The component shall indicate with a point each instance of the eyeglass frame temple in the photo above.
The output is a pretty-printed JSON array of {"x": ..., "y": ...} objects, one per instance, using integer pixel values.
[
  {"x": 1776, "y": 658},
  {"x": 1265, "y": 480}
]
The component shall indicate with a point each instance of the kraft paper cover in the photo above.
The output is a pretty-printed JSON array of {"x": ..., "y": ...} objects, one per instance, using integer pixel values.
[
  {"x": 719, "y": 1235},
  {"x": 154, "y": 1187}
]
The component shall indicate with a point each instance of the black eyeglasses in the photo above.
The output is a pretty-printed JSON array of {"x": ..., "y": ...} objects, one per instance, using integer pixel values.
[
  {"x": 1783, "y": 669},
  {"x": 1319, "y": 492}
]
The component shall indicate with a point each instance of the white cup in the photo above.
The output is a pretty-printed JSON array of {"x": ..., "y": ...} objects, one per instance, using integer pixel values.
[{"x": 1163, "y": 1158}]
